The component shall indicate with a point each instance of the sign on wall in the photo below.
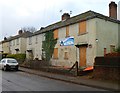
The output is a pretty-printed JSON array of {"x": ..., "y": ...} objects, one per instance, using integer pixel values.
[{"x": 69, "y": 41}]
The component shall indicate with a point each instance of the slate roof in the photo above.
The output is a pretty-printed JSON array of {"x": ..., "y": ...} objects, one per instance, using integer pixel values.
[
  {"x": 81, "y": 17},
  {"x": 24, "y": 35},
  {"x": 72, "y": 20}
]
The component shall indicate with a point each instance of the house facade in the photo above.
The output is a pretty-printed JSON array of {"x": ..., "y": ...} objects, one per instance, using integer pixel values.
[
  {"x": 34, "y": 46},
  {"x": 15, "y": 44},
  {"x": 18, "y": 43},
  {"x": 91, "y": 38},
  {"x": 5, "y": 47},
  {"x": 93, "y": 35}
]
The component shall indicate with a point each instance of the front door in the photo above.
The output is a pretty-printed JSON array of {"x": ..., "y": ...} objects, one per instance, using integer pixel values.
[{"x": 82, "y": 57}]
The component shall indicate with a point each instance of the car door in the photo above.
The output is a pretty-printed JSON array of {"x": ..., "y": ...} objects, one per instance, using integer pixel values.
[{"x": 1, "y": 64}]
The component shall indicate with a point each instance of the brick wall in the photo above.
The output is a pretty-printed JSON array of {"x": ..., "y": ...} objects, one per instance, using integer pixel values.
[
  {"x": 107, "y": 68},
  {"x": 35, "y": 64}
]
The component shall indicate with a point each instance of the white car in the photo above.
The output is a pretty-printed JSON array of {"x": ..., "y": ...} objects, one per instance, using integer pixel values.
[{"x": 8, "y": 64}]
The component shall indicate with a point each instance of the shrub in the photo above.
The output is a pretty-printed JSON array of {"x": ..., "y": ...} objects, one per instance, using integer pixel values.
[
  {"x": 4, "y": 55},
  {"x": 117, "y": 49},
  {"x": 17, "y": 56}
]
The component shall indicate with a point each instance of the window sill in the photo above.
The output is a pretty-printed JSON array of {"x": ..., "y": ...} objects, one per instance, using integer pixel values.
[
  {"x": 66, "y": 58},
  {"x": 82, "y": 33},
  {"x": 55, "y": 58},
  {"x": 56, "y": 38}
]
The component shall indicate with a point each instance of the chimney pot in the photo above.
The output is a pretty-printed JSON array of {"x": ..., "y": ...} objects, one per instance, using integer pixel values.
[
  {"x": 113, "y": 10},
  {"x": 65, "y": 16}
]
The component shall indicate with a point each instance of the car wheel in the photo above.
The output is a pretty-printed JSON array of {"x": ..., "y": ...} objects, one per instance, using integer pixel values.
[
  {"x": 2, "y": 69},
  {"x": 16, "y": 69},
  {"x": 5, "y": 68}
]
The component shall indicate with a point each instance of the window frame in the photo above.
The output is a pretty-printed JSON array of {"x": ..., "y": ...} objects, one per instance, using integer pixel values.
[{"x": 30, "y": 41}]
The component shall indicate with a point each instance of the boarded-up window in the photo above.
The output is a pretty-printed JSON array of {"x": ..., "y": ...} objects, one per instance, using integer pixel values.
[
  {"x": 112, "y": 48},
  {"x": 67, "y": 31},
  {"x": 66, "y": 55},
  {"x": 82, "y": 27},
  {"x": 56, "y": 34},
  {"x": 55, "y": 53}
]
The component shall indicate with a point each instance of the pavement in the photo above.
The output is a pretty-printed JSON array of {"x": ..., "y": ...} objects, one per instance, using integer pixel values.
[{"x": 112, "y": 86}]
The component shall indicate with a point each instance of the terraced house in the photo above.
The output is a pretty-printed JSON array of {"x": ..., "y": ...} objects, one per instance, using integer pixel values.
[
  {"x": 34, "y": 46},
  {"x": 18, "y": 42},
  {"x": 15, "y": 44},
  {"x": 80, "y": 38},
  {"x": 92, "y": 35},
  {"x": 4, "y": 46}
]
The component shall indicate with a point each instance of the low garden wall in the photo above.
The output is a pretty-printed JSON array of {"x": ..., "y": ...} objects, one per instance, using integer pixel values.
[
  {"x": 44, "y": 66},
  {"x": 107, "y": 68},
  {"x": 34, "y": 64}
]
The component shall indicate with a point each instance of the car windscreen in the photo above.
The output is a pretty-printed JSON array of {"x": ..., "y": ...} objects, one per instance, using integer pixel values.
[{"x": 11, "y": 61}]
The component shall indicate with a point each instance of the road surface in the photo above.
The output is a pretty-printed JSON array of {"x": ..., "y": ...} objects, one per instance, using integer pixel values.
[{"x": 21, "y": 81}]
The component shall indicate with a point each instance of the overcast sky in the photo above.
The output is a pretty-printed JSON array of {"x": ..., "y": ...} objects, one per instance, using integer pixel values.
[{"x": 15, "y": 14}]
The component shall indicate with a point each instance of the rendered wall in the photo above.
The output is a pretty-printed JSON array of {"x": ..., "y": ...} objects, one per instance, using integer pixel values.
[{"x": 107, "y": 34}]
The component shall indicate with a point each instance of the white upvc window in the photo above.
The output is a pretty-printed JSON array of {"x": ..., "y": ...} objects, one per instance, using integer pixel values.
[
  {"x": 17, "y": 41},
  {"x": 30, "y": 40}
]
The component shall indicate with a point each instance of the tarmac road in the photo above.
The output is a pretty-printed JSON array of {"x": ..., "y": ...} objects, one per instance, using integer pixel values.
[{"x": 21, "y": 81}]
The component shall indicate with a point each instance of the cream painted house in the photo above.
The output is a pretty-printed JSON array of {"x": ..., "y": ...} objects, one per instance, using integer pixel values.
[
  {"x": 34, "y": 46},
  {"x": 5, "y": 46},
  {"x": 15, "y": 44},
  {"x": 93, "y": 34},
  {"x": 18, "y": 42}
]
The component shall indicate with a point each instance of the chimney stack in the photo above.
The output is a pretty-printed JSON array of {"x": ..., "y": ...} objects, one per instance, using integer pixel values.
[
  {"x": 113, "y": 10},
  {"x": 5, "y": 38},
  {"x": 65, "y": 16},
  {"x": 20, "y": 32}
]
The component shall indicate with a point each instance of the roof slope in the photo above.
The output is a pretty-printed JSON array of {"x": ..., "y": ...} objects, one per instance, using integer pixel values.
[
  {"x": 81, "y": 17},
  {"x": 24, "y": 35}
]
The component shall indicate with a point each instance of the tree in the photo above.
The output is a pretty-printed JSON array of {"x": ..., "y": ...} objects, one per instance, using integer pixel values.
[{"x": 30, "y": 29}]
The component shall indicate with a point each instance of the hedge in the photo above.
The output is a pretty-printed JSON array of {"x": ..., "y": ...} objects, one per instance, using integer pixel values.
[{"x": 17, "y": 56}]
